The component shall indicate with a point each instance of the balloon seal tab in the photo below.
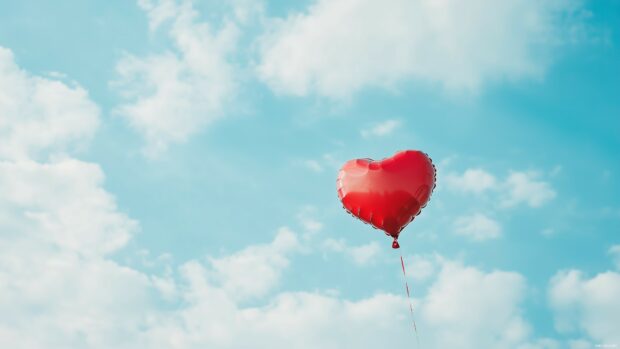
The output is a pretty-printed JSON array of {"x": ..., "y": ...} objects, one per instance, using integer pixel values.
[{"x": 395, "y": 244}]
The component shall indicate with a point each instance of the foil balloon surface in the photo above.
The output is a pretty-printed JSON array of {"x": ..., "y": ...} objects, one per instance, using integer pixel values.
[{"x": 389, "y": 193}]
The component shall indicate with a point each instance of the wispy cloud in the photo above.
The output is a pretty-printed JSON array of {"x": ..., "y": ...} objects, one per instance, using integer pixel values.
[
  {"x": 175, "y": 94},
  {"x": 519, "y": 187},
  {"x": 526, "y": 188},
  {"x": 473, "y": 180},
  {"x": 587, "y": 304},
  {"x": 477, "y": 227},
  {"x": 326, "y": 162},
  {"x": 421, "y": 268},
  {"x": 59, "y": 224},
  {"x": 381, "y": 129},
  {"x": 255, "y": 270},
  {"x": 313, "y": 165},
  {"x": 614, "y": 252},
  {"x": 307, "y": 218},
  {"x": 41, "y": 115},
  {"x": 360, "y": 255},
  {"x": 448, "y": 43}
]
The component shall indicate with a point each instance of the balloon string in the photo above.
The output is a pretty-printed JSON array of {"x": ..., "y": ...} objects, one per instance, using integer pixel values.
[{"x": 415, "y": 328}]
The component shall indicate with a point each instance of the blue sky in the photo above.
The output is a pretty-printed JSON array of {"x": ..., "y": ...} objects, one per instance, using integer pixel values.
[{"x": 167, "y": 173}]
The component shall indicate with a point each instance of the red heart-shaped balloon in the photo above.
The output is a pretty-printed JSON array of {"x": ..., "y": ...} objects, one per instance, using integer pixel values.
[{"x": 387, "y": 194}]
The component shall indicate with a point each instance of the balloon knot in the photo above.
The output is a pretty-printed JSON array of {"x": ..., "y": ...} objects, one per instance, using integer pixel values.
[{"x": 395, "y": 244}]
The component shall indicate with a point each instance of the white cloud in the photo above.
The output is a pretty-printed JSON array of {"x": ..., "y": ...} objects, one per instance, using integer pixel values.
[
  {"x": 524, "y": 187},
  {"x": 63, "y": 204},
  {"x": 55, "y": 298},
  {"x": 321, "y": 164},
  {"x": 57, "y": 286},
  {"x": 360, "y": 255},
  {"x": 58, "y": 224},
  {"x": 519, "y": 187},
  {"x": 465, "y": 307},
  {"x": 300, "y": 320},
  {"x": 589, "y": 305},
  {"x": 420, "y": 268},
  {"x": 254, "y": 271},
  {"x": 52, "y": 299},
  {"x": 313, "y": 165},
  {"x": 477, "y": 227},
  {"x": 311, "y": 225},
  {"x": 364, "y": 254},
  {"x": 60, "y": 287},
  {"x": 40, "y": 115},
  {"x": 381, "y": 129},
  {"x": 337, "y": 47},
  {"x": 308, "y": 221},
  {"x": 473, "y": 180},
  {"x": 175, "y": 94},
  {"x": 469, "y": 308},
  {"x": 614, "y": 251}
]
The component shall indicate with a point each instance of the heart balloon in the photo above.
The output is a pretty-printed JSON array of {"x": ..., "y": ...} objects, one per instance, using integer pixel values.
[{"x": 387, "y": 194}]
